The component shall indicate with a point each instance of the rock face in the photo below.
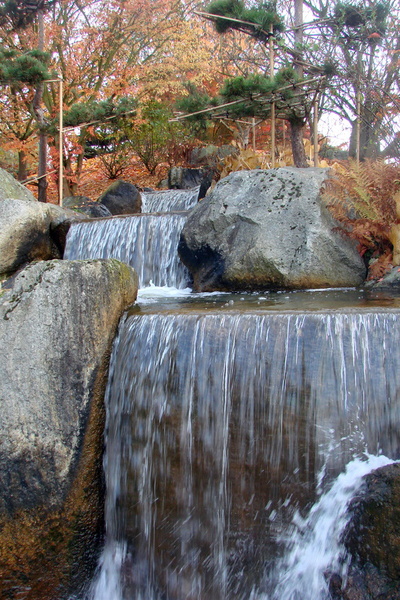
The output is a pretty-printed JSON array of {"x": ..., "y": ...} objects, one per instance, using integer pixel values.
[
  {"x": 373, "y": 540},
  {"x": 268, "y": 229},
  {"x": 31, "y": 231},
  {"x": 122, "y": 198},
  {"x": 11, "y": 188},
  {"x": 57, "y": 324}
]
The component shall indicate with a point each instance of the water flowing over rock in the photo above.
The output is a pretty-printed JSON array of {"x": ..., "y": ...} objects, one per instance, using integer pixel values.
[
  {"x": 11, "y": 188},
  {"x": 268, "y": 229},
  {"x": 56, "y": 328},
  {"x": 234, "y": 426},
  {"x": 169, "y": 201},
  {"x": 146, "y": 242}
]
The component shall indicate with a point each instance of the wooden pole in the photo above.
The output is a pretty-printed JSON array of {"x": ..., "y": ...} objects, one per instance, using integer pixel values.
[
  {"x": 316, "y": 131},
  {"x": 273, "y": 120},
  {"x": 61, "y": 167}
]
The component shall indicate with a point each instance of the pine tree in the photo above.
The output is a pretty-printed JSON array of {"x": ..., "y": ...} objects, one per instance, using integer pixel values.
[{"x": 19, "y": 14}]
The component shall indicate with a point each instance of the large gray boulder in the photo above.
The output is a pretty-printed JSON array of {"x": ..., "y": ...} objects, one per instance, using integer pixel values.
[
  {"x": 31, "y": 231},
  {"x": 268, "y": 229},
  {"x": 57, "y": 323},
  {"x": 11, "y": 188},
  {"x": 122, "y": 198}
]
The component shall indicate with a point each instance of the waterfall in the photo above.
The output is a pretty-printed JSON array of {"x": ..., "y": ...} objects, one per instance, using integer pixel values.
[
  {"x": 227, "y": 440},
  {"x": 235, "y": 439},
  {"x": 146, "y": 242},
  {"x": 169, "y": 200}
]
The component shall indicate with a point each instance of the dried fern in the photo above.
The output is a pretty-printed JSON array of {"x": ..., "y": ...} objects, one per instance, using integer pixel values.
[
  {"x": 365, "y": 200},
  {"x": 366, "y": 191}
]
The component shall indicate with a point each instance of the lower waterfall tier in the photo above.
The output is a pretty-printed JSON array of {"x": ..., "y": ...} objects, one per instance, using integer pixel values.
[{"x": 221, "y": 428}]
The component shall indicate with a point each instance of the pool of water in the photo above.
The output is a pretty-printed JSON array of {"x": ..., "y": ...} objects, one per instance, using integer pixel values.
[{"x": 164, "y": 299}]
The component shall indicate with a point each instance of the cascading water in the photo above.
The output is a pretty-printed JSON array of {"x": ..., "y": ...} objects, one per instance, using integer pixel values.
[
  {"x": 236, "y": 433},
  {"x": 169, "y": 200},
  {"x": 146, "y": 242},
  {"x": 220, "y": 429}
]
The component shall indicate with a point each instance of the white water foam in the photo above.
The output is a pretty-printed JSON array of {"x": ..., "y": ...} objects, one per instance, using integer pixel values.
[{"x": 153, "y": 292}]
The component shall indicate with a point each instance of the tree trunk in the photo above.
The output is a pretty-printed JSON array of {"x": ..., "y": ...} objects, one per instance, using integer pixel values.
[
  {"x": 370, "y": 130},
  {"x": 39, "y": 114},
  {"x": 296, "y": 126},
  {"x": 298, "y": 150},
  {"x": 22, "y": 166}
]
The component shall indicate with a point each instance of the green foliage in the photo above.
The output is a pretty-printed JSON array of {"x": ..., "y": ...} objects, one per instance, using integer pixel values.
[
  {"x": 285, "y": 76},
  {"x": 349, "y": 14},
  {"x": 254, "y": 86},
  {"x": 252, "y": 90},
  {"x": 153, "y": 134},
  {"x": 329, "y": 68},
  {"x": 363, "y": 23},
  {"x": 19, "y": 14},
  {"x": 102, "y": 111},
  {"x": 194, "y": 102},
  {"x": 246, "y": 87},
  {"x": 29, "y": 67},
  {"x": 264, "y": 16},
  {"x": 256, "y": 20},
  {"x": 225, "y": 8}
]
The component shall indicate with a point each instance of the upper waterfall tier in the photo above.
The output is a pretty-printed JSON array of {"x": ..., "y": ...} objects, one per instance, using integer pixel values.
[
  {"x": 169, "y": 200},
  {"x": 146, "y": 242}
]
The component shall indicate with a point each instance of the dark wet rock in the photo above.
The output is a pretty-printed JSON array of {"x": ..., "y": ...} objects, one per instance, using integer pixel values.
[
  {"x": 84, "y": 205},
  {"x": 268, "y": 229},
  {"x": 122, "y": 198},
  {"x": 390, "y": 282},
  {"x": 57, "y": 324},
  {"x": 183, "y": 178},
  {"x": 373, "y": 540}
]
